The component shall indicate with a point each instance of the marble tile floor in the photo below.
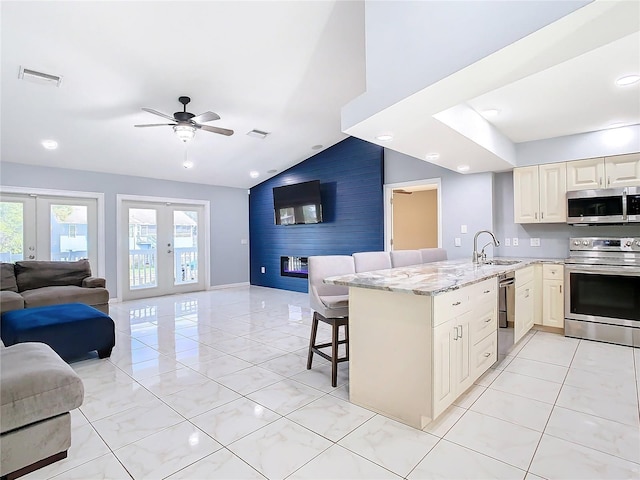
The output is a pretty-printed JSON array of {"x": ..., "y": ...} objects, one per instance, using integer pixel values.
[{"x": 213, "y": 385}]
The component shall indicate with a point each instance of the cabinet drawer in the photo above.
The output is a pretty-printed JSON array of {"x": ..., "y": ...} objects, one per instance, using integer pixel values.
[
  {"x": 484, "y": 290},
  {"x": 485, "y": 321},
  {"x": 524, "y": 275},
  {"x": 450, "y": 305},
  {"x": 484, "y": 354},
  {"x": 552, "y": 272}
]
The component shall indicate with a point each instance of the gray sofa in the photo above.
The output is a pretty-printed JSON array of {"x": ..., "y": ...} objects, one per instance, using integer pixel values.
[
  {"x": 37, "y": 392},
  {"x": 32, "y": 283}
]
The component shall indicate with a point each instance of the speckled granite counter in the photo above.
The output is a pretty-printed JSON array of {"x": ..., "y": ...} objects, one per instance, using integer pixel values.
[{"x": 432, "y": 278}]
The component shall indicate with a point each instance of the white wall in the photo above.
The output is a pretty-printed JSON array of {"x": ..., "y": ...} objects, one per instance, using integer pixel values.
[
  {"x": 229, "y": 260},
  {"x": 466, "y": 199}
]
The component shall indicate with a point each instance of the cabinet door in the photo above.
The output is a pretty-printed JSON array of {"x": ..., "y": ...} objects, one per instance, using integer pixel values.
[
  {"x": 623, "y": 170},
  {"x": 585, "y": 174},
  {"x": 553, "y": 193},
  {"x": 462, "y": 349},
  {"x": 526, "y": 195},
  {"x": 523, "y": 310},
  {"x": 444, "y": 339},
  {"x": 553, "y": 304}
]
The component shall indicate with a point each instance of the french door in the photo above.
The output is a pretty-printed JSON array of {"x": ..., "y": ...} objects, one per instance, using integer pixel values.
[
  {"x": 44, "y": 227},
  {"x": 164, "y": 248}
]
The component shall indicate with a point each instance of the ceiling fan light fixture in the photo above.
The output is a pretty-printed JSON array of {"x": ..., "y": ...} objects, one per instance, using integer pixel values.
[{"x": 185, "y": 132}]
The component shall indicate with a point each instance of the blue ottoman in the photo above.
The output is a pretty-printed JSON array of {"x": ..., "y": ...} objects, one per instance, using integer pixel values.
[{"x": 71, "y": 329}]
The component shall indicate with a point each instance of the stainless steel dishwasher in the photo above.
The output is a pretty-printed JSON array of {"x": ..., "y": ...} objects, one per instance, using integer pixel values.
[{"x": 506, "y": 296}]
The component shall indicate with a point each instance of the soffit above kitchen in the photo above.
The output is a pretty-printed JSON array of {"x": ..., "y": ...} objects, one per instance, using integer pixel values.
[
  {"x": 281, "y": 67},
  {"x": 556, "y": 81}
]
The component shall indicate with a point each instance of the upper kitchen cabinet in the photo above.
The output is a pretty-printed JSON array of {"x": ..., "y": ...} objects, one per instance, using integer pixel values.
[
  {"x": 608, "y": 172},
  {"x": 539, "y": 194}
]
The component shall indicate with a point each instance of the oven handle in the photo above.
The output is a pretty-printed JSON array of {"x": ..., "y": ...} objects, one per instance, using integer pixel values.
[{"x": 602, "y": 270}]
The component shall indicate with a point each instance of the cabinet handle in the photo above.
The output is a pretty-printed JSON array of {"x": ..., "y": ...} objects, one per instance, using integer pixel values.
[
  {"x": 487, "y": 291},
  {"x": 488, "y": 320},
  {"x": 456, "y": 337},
  {"x": 487, "y": 355},
  {"x": 542, "y": 215},
  {"x": 560, "y": 288},
  {"x": 535, "y": 215},
  {"x": 600, "y": 181},
  {"x": 460, "y": 331},
  {"x": 608, "y": 181},
  {"x": 455, "y": 304},
  {"x": 526, "y": 293}
]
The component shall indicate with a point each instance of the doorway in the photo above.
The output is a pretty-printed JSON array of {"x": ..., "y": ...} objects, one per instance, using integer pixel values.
[
  {"x": 412, "y": 215},
  {"x": 162, "y": 247},
  {"x": 42, "y": 225}
]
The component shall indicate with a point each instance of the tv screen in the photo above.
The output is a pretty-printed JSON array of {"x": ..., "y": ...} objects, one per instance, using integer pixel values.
[{"x": 298, "y": 204}]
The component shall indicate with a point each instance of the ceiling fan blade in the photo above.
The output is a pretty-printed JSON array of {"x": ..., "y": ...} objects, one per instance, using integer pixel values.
[
  {"x": 155, "y": 112},
  {"x": 206, "y": 117},
  {"x": 221, "y": 131},
  {"x": 156, "y": 125}
]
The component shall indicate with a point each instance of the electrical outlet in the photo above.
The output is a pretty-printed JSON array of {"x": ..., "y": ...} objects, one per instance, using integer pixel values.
[
  {"x": 457, "y": 242},
  {"x": 263, "y": 270},
  {"x": 515, "y": 241},
  {"x": 507, "y": 242},
  {"x": 535, "y": 242},
  {"x": 463, "y": 229},
  {"x": 243, "y": 241}
]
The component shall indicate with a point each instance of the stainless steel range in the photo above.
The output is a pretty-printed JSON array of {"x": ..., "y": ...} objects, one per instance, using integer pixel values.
[{"x": 602, "y": 290}]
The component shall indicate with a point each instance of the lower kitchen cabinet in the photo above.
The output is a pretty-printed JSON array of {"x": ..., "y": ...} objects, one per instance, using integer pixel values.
[
  {"x": 524, "y": 310},
  {"x": 553, "y": 296},
  {"x": 451, "y": 366}
]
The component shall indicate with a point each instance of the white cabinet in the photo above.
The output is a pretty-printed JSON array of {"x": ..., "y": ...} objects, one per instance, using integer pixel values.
[
  {"x": 464, "y": 340},
  {"x": 539, "y": 194},
  {"x": 607, "y": 172},
  {"x": 524, "y": 309},
  {"x": 553, "y": 296}
]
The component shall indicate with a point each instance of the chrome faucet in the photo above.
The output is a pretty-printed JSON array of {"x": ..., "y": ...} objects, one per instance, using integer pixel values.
[{"x": 480, "y": 257}]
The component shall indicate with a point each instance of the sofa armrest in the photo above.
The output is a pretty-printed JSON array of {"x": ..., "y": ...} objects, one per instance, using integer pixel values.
[{"x": 93, "y": 282}]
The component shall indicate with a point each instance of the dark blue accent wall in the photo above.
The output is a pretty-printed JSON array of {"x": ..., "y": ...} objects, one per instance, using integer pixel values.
[{"x": 351, "y": 178}]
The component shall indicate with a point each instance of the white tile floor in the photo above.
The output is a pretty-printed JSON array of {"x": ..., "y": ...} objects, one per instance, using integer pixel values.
[{"x": 213, "y": 385}]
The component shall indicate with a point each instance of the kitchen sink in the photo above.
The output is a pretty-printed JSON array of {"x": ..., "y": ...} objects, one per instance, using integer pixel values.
[{"x": 498, "y": 261}]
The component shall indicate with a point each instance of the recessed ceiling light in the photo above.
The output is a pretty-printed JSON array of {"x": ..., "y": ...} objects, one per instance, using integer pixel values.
[
  {"x": 187, "y": 164},
  {"x": 317, "y": 147},
  {"x": 384, "y": 138},
  {"x": 490, "y": 113},
  {"x": 254, "y": 174},
  {"x": 50, "y": 144},
  {"x": 463, "y": 168},
  {"x": 627, "y": 80},
  {"x": 433, "y": 156}
]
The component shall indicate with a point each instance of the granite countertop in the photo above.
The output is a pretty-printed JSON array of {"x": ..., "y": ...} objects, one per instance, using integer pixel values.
[{"x": 432, "y": 278}]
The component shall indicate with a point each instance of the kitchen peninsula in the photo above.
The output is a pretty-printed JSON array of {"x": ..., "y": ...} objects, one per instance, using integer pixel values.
[{"x": 420, "y": 336}]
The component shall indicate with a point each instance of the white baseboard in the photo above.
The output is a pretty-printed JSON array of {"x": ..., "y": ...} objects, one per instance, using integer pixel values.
[
  {"x": 114, "y": 300},
  {"x": 228, "y": 285}
]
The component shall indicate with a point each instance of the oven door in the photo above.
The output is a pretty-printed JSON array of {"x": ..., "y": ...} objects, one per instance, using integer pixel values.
[{"x": 603, "y": 294}]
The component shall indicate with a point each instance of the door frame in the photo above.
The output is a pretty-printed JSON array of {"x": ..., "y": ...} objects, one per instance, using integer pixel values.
[
  {"x": 388, "y": 207},
  {"x": 121, "y": 249},
  {"x": 100, "y": 270}
]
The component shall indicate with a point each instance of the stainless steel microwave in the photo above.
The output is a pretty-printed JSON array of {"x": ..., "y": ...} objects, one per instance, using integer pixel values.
[{"x": 604, "y": 206}]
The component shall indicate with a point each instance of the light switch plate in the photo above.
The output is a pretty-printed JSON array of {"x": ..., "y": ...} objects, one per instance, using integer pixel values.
[
  {"x": 515, "y": 241},
  {"x": 507, "y": 242},
  {"x": 457, "y": 242},
  {"x": 263, "y": 270},
  {"x": 243, "y": 241},
  {"x": 463, "y": 229},
  {"x": 535, "y": 242}
]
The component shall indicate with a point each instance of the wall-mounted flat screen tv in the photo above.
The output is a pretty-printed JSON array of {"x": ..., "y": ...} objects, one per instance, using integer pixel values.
[{"x": 298, "y": 204}]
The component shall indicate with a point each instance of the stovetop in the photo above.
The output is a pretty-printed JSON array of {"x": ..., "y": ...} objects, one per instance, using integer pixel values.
[{"x": 604, "y": 251}]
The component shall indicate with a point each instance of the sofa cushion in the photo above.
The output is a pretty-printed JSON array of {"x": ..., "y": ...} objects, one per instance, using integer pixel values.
[
  {"x": 41, "y": 297},
  {"x": 10, "y": 301},
  {"x": 36, "y": 384},
  {"x": 8, "y": 277},
  {"x": 36, "y": 274}
]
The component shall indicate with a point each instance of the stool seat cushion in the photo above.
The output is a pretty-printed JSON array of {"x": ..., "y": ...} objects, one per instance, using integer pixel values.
[
  {"x": 335, "y": 301},
  {"x": 36, "y": 385},
  {"x": 70, "y": 329}
]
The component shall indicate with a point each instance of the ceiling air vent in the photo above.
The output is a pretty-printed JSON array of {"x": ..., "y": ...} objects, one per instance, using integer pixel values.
[
  {"x": 258, "y": 134},
  {"x": 39, "y": 77}
]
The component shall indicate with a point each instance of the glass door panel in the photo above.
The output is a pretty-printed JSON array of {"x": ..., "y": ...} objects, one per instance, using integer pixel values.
[
  {"x": 143, "y": 248},
  {"x": 185, "y": 246},
  {"x": 69, "y": 232},
  {"x": 17, "y": 228}
]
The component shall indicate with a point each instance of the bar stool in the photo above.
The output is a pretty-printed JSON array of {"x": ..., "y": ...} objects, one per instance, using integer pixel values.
[{"x": 330, "y": 304}]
